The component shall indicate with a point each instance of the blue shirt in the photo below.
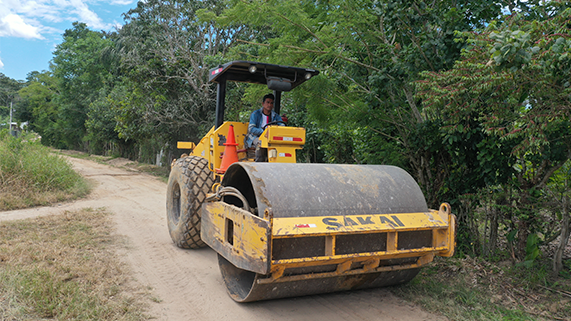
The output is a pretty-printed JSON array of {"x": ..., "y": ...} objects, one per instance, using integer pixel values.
[{"x": 255, "y": 126}]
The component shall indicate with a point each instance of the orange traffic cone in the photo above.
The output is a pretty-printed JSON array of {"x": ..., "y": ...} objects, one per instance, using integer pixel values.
[{"x": 230, "y": 154}]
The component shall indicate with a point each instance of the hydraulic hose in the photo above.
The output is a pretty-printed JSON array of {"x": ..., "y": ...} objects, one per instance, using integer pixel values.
[{"x": 229, "y": 191}]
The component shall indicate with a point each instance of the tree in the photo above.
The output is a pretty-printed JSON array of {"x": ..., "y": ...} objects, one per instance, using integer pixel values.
[
  {"x": 369, "y": 54},
  {"x": 165, "y": 55},
  {"x": 8, "y": 95},
  {"x": 38, "y": 99},
  {"x": 558, "y": 188},
  {"x": 513, "y": 81},
  {"x": 81, "y": 73}
]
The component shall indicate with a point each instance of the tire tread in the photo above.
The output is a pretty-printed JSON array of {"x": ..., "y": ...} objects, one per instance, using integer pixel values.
[{"x": 196, "y": 182}]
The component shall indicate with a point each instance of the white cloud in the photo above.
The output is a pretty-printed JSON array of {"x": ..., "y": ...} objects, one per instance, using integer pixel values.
[
  {"x": 31, "y": 19},
  {"x": 120, "y": 2},
  {"x": 117, "y": 25},
  {"x": 1, "y": 63},
  {"x": 13, "y": 25},
  {"x": 44, "y": 10},
  {"x": 88, "y": 16}
]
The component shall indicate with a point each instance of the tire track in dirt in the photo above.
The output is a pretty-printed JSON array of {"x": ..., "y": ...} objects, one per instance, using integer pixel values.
[{"x": 187, "y": 283}]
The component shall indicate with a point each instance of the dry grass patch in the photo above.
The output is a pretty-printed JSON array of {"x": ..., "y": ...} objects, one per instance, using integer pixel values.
[
  {"x": 64, "y": 267},
  {"x": 474, "y": 289},
  {"x": 18, "y": 197}
]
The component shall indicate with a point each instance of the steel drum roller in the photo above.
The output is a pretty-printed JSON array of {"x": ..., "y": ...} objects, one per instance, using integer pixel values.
[
  {"x": 296, "y": 190},
  {"x": 306, "y": 190}
]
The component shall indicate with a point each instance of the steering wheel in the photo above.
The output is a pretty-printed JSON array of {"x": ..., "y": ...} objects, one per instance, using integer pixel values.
[{"x": 273, "y": 123}]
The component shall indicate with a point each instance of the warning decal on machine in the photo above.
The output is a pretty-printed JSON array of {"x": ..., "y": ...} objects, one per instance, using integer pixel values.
[{"x": 305, "y": 225}]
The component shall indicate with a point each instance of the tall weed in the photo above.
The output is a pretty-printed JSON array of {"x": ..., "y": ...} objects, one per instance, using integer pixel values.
[{"x": 31, "y": 175}]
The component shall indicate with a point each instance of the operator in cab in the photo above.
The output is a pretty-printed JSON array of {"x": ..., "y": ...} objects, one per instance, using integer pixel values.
[{"x": 258, "y": 120}]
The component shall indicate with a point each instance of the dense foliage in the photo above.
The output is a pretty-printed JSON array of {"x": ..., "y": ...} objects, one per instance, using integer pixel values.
[
  {"x": 8, "y": 96},
  {"x": 513, "y": 82},
  {"x": 472, "y": 98}
]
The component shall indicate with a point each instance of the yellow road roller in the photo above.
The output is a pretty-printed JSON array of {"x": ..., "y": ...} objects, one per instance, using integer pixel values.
[{"x": 284, "y": 229}]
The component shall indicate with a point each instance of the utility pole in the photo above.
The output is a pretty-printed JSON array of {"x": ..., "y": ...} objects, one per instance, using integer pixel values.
[{"x": 10, "y": 123}]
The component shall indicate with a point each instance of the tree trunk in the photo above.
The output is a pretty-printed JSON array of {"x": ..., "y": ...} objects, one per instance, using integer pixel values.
[
  {"x": 564, "y": 237},
  {"x": 493, "y": 233}
]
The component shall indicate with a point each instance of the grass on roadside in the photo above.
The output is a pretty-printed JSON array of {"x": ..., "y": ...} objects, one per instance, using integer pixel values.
[
  {"x": 474, "y": 289},
  {"x": 30, "y": 175},
  {"x": 64, "y": 267}
]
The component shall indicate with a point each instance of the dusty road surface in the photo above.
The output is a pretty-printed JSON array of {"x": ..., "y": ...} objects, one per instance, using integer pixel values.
[{"x": 188, "y": 282}]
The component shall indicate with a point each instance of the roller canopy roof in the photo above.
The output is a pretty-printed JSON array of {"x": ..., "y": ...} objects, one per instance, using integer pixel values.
[{"x": 264, "y": 74}]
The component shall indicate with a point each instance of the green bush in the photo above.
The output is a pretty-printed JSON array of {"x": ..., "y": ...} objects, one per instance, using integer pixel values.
[{"x": 31, "y": 175}]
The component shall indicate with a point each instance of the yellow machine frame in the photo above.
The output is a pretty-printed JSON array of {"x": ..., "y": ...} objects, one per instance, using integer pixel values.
[
  {"x": 246, "y": 239},
  {"x": 281, "y": 142}
]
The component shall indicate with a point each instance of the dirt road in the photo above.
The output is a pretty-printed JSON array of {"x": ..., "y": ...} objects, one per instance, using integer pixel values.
[{"x": 188, "y": 282}]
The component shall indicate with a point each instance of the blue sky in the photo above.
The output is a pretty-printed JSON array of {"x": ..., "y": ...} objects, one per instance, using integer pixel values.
[{"x": 30, "y": 29}]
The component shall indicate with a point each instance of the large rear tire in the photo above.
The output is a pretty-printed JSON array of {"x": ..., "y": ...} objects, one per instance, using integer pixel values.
[{"x": 189, "y": 182}]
